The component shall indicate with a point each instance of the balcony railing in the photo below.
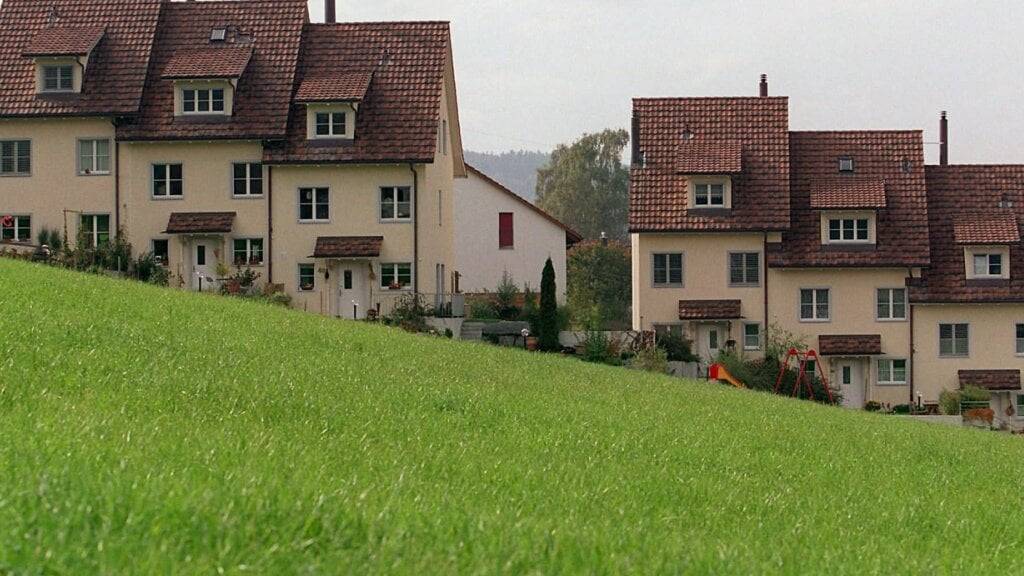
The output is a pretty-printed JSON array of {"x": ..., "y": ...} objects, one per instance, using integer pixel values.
[{"x": 445, "y": 305}]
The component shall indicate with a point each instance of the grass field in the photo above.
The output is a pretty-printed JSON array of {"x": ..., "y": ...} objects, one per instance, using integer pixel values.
[{"x": 149, "y": 431}]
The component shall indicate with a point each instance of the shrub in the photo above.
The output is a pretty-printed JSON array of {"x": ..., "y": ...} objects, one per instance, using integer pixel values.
[
  {"x": 901, "y": 409},
  {"x": 949, "y": 402},
  {"x": 409, "y": 314},
  {"x": 505, "y": 296},
  {"x": 651, "y": 359},
  {"x": 482, "y": 309},
  {"x": 873, "y": 406},
  {"x": 598, "y": 349},
  {"x": 975, "y": 394},
  {"x": 530, "y": 308},
  {"x": 762, "y": 374},
  {"x": 547, "y": 315},
  {"x": 676, "y": 347},
  {"x": 51, "y": 238},
  {"x": 599, "y": 281}
]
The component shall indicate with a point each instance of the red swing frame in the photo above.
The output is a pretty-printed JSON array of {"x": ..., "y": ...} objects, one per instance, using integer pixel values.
[{"x": 801, "y": 378}]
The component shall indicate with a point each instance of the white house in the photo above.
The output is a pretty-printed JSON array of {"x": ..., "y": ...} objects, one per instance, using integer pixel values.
[{"x": 497, "y": 231}]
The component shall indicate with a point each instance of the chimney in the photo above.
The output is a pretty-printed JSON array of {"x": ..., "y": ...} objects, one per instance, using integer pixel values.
[
  {"x": 944, "y": 140},
  {"x": 329, "y": 15},
  {"x": 764, "y": 85}
]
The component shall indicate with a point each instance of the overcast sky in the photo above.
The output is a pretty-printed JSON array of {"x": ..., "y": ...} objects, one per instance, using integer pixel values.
[{"x": 534, "y": 73}]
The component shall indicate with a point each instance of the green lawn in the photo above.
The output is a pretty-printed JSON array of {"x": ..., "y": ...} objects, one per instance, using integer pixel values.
[{"x": 150, "y": 431}]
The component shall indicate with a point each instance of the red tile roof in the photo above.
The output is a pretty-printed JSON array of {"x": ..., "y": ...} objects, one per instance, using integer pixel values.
[
  {"x": 893, "y": 157},
  {"x": 956, "y": 191},
  {"x": 348, "y": 247},
  {"x": 760, "y": 193},
  {"x": 997, "y": 226},
  {"x": 226, "y": 61},
  {"x": 571, "y": 235},
  {"x": 991, "y": 379},
  {"x": 709, "y": 309},
  {"x": 65, "y": 41},
  {"x": 200, "y": 223},
  {"x": 114, "y": 80},
  {"x": 398, "y": 119},
  {"x": 260, "y": 111},
  {"x": 850, "y": 345},
  {"x": 698, "y": 156},
  {"x": 337, "y": 87},
  {"x": 843, "y": 193}
]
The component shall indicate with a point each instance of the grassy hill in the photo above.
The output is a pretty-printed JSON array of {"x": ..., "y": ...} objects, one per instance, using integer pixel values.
[{"x": 151, "y": 431}]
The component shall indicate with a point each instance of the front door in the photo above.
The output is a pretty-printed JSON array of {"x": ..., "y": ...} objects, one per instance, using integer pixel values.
[
  {"x": 353, "y": 301},
  {"x": 710, "y": 340},
  {"x": 851, "y": 383},
  {"x": 204, "y": 266}
]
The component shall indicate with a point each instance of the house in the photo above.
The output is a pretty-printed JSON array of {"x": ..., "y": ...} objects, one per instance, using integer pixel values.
[
  {"x": 843, "y": 238},
  {"x": 229, "y": 135},
  {"x": 498, "y": 232}
]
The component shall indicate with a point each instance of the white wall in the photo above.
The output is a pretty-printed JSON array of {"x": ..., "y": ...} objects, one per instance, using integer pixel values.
[{"x": 477, "y": 256}]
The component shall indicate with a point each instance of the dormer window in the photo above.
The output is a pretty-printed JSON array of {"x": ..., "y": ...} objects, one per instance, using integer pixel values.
[
  {"x": 59, "y": 78},
  {"x": 846, "y": 165},
  {"x": 61, "y": 55},
  {"x": 332, "y": 103},
  {"x": 708, "y": 195},
  {"x": 202, "y": 101},
  {"x": 331, "y": 124},
  {"x": 988, "y": 265},
  {"x": 848, "y": 227},
  {"x": 205, "y": 78}
]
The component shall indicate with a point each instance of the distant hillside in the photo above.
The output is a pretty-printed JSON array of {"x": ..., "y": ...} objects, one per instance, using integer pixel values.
[{"x": 515, "y": 169}]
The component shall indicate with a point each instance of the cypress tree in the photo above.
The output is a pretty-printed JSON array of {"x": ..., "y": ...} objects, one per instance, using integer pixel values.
[{"x": 547, "y": 317}]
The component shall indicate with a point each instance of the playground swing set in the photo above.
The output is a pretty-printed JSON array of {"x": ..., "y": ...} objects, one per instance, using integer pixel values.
[{"x": 803, "y": 379}]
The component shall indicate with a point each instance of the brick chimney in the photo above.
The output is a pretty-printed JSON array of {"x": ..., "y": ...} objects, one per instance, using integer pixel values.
[
  {"x": 329, "y": 13},
  {"x": 944, "y": 140},
  {"x": 764, "y": 85}
]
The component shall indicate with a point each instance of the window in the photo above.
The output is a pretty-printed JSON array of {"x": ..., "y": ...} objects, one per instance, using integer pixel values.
[
  {"x": 247, "y": 179},
  {"x": 16, "y": 228},
  {"x": 953, "y": 340},
  {"x": 814, "y": 305},
  {"x": 167, "y": 181},
  {"x": 331, "y": 124},
  {"x": 1020, "y": 339},
  {"x": 988, "y": 265},
  {"x": 1020, "y": 405},
  {"x": 744, "y": 269},
  {"x": 161, "y": 251},
  {"x": 892, "y": 304},
  {"x": 346, "y": 280},
  {"x": 307, "y": 277},
  {"x": 709, "y": 195},
  {"x": 201, "y": 255},
  {"x": 248, "y": 252},
  {"x": 846, "y": 164},
  {"x": 506, "y": 231},
  {"x": 395, "y": 276},
  {"x": 848, "y": 230},
  {"x": 95, "y": 229},
  {"x": 202, "y": 101},
  {"x": 218, "y": 34},
  {"x": 892, "y": 372},
  {"x": 15, "y": 157},
  {"x": 314, "y": 204},
  {"x": 58, "y": 78},
  {"x": 93, "y": 157},
  {"x": 668, "y": 270},
  {"x": 395, "y": 203},
  {"x": 751, "y": 336}
]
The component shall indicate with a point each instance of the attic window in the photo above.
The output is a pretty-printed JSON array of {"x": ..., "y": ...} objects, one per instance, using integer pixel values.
[
  {"x": 218, "y": 35},
  {"x": 845, "y": 165}
]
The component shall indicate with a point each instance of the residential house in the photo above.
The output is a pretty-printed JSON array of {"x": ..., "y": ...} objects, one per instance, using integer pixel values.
[{"x": 498, "y": 233}]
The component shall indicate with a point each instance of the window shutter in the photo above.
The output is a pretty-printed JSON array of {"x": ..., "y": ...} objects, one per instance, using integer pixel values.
[{"x": 506, "y": 234}]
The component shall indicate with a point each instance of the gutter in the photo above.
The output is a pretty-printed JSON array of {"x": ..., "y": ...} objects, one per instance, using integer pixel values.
[
  {"x": 270, "y": 224},
  {"x": 415, "y": 230},
  {"x": 764, "y": 254},
  {"x": 117, "y": 187},
  {"x": 913, "y": 348}
]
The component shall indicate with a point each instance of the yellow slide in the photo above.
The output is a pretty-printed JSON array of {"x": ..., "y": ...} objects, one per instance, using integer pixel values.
[{"x": 718, "y": 372}]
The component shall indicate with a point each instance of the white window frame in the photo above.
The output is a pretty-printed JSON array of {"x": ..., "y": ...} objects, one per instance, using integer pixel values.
[
  {"x": 167, "y": 181},
  {"x": 1019, "y": 338},
  {"x": 815, "y": 293},
  {"x": 249, "y": 251},
  {"x": 891, "y": 303},
  {"x": 705, "y": 190},
  {"x": 17, "y": 227},
  {"x": 250, "y": 168},
  {"x": 395, "y": 204},
  {"x": 60, "y": 78},
  {"x": 745, "y": 269},
  {"x": 668, "y": 270},
  {"x": 210, "y": 100},
  {"x": 693, "y": 182},
  {"x": 394, "y": 266},
  {"x": 312, "y": 268},
  {"x": 760, "y": 337},
  {"x": 93, "y": 157},
  {"x": 988, "y": 257},
  {"x": 314, "y": 204},
  {"x": 891, "y": 381},
  {"x": 93, "y": 230},
  {"x": 967, "y": 339},
  {"x": 16, "y": 145},
  {"x": 332, "y": 132},
  {"x": 856, "y": 230}
]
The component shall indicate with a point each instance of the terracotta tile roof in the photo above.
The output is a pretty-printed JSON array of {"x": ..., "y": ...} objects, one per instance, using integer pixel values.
[
  {"x": 273, "y": 28},
  {"x": 227, "y": 61},
  {"x": 997, "y": 226},
  {"x": 893, "y": 157},
  {"x": 200, "y": 223},
  {"x": 760, "y": 193},
  {"x": 348, "y": 247},
  {"x": 700, "y": 156},
  {"x": 116, "y": 73},
  {"x": 709, "y": 310},
  {"x": 955, "y": 191},
  {"x": 65, "y": 41},
  {"x": 991, "y": 379},
  {"x": 337, "y": 87},
  {"x": 850, "y": 345},
  {"x": 398, "y": 118},
  {"x": 842, "y": 193},
  {"x": 571, "y": 235}
]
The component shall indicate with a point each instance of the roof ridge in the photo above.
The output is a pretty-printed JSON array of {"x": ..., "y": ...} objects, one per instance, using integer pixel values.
[{"x": 534, "y": 207}]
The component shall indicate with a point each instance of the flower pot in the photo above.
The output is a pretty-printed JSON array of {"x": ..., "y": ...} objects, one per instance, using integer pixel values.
[{"x": 532, "y": 343}]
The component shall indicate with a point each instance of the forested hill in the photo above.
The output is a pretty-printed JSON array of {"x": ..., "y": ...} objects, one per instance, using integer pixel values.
[{"x": 516, "y": 169}]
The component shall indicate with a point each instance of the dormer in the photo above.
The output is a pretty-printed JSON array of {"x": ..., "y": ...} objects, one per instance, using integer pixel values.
[
  {"x": 709, "y": 168},
  {"x": 849, "y": 207},
  {"x": 61, "y": 55},
  {"x": 205, "y": 79},
  {"x": 986, "y": 239},
  {"x": 332, "y": 104}
]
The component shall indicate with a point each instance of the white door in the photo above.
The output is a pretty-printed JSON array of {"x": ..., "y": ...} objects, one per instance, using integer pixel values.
[
  {"x": 711, "y": 339},
  {"x": 204, "y": 266},
  {"x": 353, "y": 301},
  {"x": 851, "y": 383}
]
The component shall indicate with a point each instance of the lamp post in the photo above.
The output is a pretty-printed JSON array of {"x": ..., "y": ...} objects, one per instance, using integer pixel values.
[{"x": 526, "y": 338}]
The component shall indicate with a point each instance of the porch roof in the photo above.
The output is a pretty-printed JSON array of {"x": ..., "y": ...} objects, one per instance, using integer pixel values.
[
  {"x": 850, "y": 345},
  {"x": 348, "y": 247},
  {"x": 991, "y": 379},
  {"x": 200, "y": 223},
  {"x": 709, "y": 310}
]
